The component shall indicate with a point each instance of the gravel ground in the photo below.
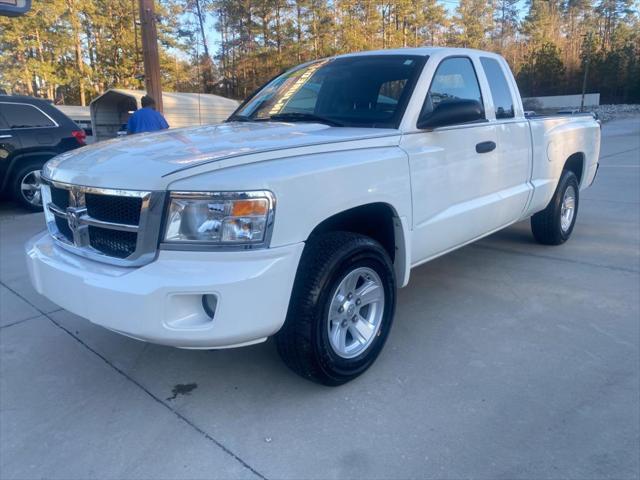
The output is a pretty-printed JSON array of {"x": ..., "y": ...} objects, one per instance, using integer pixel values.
[{"x": 607, "y": 113}]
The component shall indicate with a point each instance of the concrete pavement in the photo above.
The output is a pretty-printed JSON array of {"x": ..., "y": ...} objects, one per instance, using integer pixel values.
[{"x": 507, "y": 359}]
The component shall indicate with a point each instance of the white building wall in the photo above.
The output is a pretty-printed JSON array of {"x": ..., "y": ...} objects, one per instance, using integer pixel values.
[
  {"x": 112, "y": 109},
  {"x": 566, "y": 101}
]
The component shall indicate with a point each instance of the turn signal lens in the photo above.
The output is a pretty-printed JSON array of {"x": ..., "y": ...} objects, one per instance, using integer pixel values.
[{"x": 249, "y": 208}]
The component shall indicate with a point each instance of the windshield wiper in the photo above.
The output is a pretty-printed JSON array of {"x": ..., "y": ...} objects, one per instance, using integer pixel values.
[
  {"x": 240, "y": 118},
  {"x": 305, "y": 117}
]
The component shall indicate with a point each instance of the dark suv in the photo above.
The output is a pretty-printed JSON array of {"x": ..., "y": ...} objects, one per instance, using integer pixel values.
[{"x": 31, "y": 132}]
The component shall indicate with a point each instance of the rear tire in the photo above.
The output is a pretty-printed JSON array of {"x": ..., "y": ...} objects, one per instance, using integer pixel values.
[
  {"x": 26, "y": 187},
  {"x": 553, "y": 225},
  {"x": 341, "y": 308}
]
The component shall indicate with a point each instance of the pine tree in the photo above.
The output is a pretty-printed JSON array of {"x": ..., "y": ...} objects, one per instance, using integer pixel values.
[
  {"x": 435, "y": 22},
  {"x": 505, "y": 17},
  {"x": 473, "y": 23},
  {"x": 543, "y": 71}
]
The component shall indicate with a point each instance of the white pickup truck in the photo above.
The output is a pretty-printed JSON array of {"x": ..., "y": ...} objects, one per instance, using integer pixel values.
[{"x": 302, "y": 214}]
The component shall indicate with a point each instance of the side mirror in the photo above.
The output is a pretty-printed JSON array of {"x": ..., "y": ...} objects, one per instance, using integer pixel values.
[{"x": 452, "y": 112}]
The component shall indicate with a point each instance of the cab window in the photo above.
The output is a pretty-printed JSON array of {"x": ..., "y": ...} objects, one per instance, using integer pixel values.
[
  {"x": 455, "y": 79},
  {"x": 20, "y": 115},
  {"x": 500, "y": 91}
]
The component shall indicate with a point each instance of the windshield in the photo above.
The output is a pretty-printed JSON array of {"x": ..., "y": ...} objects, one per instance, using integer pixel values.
[{"x": 363, "y": 91}]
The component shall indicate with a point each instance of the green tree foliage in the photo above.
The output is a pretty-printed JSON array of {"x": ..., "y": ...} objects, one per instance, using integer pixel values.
[
  {"x": 560, "y": 38},
  {"x": 543, "y": 71},
  {"x": 260, "y": 38},
  {"x": 73, "y": 50},
  {"x": 473, "y": 23},
  {"x": 505, "y": 18}
]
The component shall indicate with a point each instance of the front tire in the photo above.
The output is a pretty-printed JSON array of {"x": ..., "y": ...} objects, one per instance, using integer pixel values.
[
  {"x": 341, "y": 308},
  {"x": 553, "y": 225}
]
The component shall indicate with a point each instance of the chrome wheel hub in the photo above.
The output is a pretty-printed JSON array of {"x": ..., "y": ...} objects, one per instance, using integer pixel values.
[
  {"x": 30, "y": 188},
  {"x": 355, "y": 312},
  {"x": 568, "y": 208}
]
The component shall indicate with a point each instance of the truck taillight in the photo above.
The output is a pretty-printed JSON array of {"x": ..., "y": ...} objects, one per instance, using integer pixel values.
[{"x": 80, "y": 136}]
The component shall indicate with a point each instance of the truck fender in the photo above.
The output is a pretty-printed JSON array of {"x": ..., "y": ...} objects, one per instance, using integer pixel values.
[{"x": 393, "y": 235}]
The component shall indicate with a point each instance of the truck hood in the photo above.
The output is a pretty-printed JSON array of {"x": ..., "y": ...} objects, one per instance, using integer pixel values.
[{"x": 151, "y": 161}]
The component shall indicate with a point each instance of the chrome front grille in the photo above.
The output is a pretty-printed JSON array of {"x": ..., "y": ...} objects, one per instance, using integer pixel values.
[
  {"x": 110, "y": 208},
  {"x": 120, "y": 227},
  {"x": 114, "y": 243}
]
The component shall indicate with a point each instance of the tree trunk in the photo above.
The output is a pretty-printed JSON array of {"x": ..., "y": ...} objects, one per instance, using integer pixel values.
[
  {"x": 44, "y": 77},
  {"x": 404, "y": 32},
  {"x": 315, "y": 35},
  {"x": 278, "y": 32},
  {"x": 26, "y": 73},
  {"x": 201, "y": 23},
  {"x": 223, "y": 50},
  {"x": 265, "y": 30},
  {"x": 298, "y": 31},
  {"x": 75, "y": 28}
]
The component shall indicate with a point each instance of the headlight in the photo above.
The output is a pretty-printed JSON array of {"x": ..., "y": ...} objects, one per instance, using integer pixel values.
[{"x": 219, "y": 219}]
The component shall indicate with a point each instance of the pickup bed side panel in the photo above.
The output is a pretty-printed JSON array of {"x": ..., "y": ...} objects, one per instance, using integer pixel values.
[
  {"x": 313, "y": 187},
  {"x": 554, "y": 140}
]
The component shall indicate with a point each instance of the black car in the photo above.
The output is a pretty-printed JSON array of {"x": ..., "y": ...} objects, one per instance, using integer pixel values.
[{"x": 31, "y": 132}]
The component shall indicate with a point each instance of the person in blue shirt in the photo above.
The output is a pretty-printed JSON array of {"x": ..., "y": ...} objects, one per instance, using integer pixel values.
[{"x": 147, "y": 119}]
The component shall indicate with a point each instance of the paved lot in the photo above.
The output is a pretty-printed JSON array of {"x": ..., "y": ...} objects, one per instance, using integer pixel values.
[{"x": 507, "y": 360}]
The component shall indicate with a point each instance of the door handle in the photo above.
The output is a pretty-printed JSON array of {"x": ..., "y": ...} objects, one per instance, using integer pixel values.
[
  {"x": 5, "y": 136},
  {"x": 485, "y": 147}
]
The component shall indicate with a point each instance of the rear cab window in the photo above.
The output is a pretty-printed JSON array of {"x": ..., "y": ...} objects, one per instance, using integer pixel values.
[
  {"x": 22, "y": 115},
  {"x": 500, "y": 91},
  {"x": 455, "y": 79}
]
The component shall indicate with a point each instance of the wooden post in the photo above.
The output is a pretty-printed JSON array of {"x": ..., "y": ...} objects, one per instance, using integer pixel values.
[
  {"x": 587, "y": 60},
  {"x": 584, "y": 83},
  {"x": 150, "y": 51}
]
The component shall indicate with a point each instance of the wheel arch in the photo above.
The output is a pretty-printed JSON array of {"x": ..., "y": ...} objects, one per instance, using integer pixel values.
[
  {"x": 576, "y": 163},
  {"x": 377, "y": 220},
  {"x": 23, "y": 158}
]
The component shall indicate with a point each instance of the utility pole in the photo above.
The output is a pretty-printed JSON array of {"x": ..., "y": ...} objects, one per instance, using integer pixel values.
[
  {"x": 135, "y": 34},
  {"x": 584, "y": 83},
  {"x": 586, "y": 70},
  {"x": 150, "y": 51}
]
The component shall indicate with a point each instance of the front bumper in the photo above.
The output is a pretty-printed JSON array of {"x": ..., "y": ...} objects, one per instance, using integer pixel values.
[{"x": 162, "y": 302}]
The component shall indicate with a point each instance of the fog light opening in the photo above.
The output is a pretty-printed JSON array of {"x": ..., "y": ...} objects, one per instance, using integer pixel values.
[{"x": 209, "y": 304}]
